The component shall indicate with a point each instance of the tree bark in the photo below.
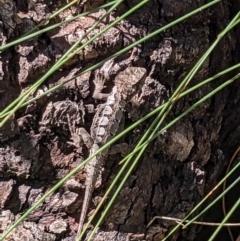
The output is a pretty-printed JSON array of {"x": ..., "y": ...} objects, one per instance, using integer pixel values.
[{"x": 178, "y": 168}]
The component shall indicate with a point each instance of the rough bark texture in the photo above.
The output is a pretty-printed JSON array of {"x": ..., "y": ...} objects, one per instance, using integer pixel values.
[{"x": 177, "y": 169}]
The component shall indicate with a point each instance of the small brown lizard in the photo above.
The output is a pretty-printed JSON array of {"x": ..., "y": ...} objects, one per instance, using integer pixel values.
[{"x": 106, "y": 123}]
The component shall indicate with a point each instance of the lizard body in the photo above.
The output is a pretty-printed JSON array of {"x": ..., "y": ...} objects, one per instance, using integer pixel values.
[{"x": 106, "y": 123}]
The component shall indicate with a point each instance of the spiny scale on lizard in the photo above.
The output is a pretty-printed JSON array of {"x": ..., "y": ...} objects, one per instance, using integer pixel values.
[{"x": 106, "y": 123}]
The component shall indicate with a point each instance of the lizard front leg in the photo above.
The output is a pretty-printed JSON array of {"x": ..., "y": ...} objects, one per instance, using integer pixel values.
[{"x": 99, "y": 82}]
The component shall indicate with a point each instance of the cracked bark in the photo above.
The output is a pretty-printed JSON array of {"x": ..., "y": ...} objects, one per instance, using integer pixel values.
[{"x": 177, "y": 169}]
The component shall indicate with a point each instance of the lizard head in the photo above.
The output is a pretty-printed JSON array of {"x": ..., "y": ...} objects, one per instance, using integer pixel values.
[{"x": 130, "y": 81}]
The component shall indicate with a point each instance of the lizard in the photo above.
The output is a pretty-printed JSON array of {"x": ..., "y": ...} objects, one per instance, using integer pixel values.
[{"x": 105, "y": 124}]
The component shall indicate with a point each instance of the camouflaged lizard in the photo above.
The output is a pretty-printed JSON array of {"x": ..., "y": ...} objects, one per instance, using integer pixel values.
[{"x": 106, "y": 123}]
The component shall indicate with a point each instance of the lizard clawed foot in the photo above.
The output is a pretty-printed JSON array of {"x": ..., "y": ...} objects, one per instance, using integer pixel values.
[
  {"x": 79, "y": 136},
  {"x": 76, "y": 139},
  {"x": 122, "y": 148},
  {"x": 99, "y": 82}
]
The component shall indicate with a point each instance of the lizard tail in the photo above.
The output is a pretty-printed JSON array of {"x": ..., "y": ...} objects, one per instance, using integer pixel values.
[
  {"x": 87, "y": 199},
  {"x": 92, "y": 172}
]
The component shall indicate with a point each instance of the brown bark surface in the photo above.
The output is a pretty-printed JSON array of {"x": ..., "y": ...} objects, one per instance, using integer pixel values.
[{"x": 178, "y": 169}]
